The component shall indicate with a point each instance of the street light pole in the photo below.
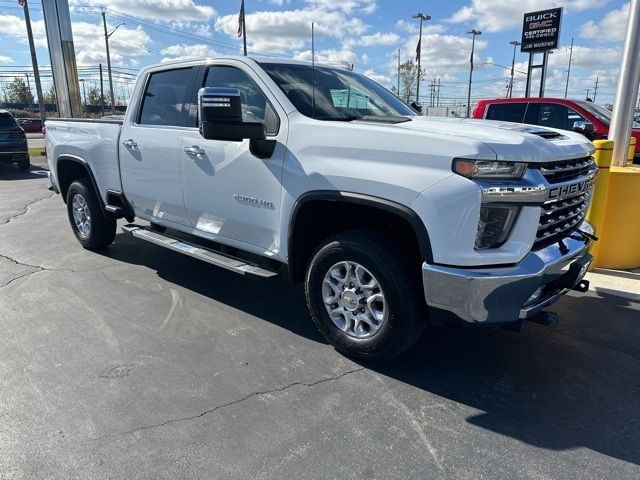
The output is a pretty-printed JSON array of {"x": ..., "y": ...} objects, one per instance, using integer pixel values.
[
  {"x": 84, "y": 93},
  {"x": 566, "y": 87},
  {"x": 106, "y": 41},
  {"x": 34, "y": 62},
  {"x": 422, "y": 18},
  {"x": 515, "y": 44},
  {"x": 473, "y": 32}
]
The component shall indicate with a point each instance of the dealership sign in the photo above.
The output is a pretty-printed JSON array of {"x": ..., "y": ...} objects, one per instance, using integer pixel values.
[{"x": 541, "y": 30}]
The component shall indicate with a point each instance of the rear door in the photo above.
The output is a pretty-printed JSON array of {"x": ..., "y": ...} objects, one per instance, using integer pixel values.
[
  {"x": 150, "y": 153},
  {"x": 231, "y": 193}
]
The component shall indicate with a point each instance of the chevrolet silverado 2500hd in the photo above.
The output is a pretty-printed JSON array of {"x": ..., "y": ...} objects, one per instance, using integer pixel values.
[{"x": 268, "y": 168}]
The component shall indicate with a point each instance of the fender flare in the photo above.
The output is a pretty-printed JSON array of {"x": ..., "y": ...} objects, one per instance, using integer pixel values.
[
  {"x": 85, "y": 165},
  {"x": 404, "y": 212}
]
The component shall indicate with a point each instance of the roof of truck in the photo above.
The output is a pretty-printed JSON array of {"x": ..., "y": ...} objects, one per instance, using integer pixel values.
[{"x": 242, "y": 58}]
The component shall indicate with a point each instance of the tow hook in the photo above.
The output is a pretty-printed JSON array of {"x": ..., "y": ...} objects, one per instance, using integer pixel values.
[{"x": 582, "y": 286}]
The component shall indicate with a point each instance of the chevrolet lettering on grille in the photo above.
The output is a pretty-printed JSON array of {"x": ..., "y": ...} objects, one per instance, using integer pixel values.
[{"x": 569, "y": 190}]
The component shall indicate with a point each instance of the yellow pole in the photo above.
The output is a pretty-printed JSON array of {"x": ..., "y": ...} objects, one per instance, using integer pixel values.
[
  {"x": 595, "y": 215},
  {"x": 632, "y": 150}
]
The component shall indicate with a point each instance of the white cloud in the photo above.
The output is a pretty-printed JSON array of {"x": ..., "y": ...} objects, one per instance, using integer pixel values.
[
  {"x": 378, "y": 38},
  {"x": 182, "y": 52},
  {"x": 5, "y": 59},
  {"x": 347, "y": 6},
  {"x": 384, "y": 80},
  {"x": 287, "y": 30},
  {"x": 498, "y": 15},
  {"x": 612, "y": 27},
  {"x": 343, "y": 58},
  {"x": 168, "y": 11}
]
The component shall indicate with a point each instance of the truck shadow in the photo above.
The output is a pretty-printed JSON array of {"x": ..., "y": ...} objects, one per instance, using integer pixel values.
[
  {"x": 11, "y": 172},
  {"x": 574, "y": 386}
]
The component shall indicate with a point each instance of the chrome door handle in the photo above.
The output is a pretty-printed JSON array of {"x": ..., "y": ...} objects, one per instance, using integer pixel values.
[
  {"x": 194, "y": 151},
  {"x": 131, "y": 144}
]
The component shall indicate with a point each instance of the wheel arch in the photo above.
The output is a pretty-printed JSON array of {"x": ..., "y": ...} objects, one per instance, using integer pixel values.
[
  {"x": 70, "y": 168},
  {"x": 299, "y": 250}
]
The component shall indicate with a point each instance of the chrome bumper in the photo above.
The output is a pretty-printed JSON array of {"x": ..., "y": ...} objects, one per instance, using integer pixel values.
[{"x": 506, "y": 294}]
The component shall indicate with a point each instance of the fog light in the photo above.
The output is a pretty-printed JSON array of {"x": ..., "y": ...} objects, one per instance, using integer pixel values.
[{"x": 495, "y": 226}]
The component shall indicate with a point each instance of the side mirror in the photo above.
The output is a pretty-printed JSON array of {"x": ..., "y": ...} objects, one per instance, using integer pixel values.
[
  {"x": 417, "y": 106},
  {"x": 220, "y": 114},
  {"x": 583, "y": 127}
]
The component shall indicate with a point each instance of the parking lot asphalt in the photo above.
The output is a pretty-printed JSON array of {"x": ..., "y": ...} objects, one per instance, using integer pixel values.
[{"x": 138, "y": 362}]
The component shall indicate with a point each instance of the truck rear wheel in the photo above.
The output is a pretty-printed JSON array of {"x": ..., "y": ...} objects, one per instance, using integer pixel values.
[
  {"x": 364, "y": 295},
  {"x": 92, "y": 227}
]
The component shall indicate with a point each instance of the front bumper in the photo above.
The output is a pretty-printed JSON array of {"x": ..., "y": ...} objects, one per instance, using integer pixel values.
[{"x": 507, "y": 294}]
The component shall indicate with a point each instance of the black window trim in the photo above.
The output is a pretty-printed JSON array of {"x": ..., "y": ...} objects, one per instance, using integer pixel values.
[{"x": 183, "y": 116}]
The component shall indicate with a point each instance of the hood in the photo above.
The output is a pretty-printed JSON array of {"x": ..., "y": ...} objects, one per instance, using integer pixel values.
[{"x": 510, "y": 141}]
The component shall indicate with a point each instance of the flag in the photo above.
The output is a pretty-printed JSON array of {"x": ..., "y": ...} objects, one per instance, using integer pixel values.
[
  {"x": 241, "y": 20},
  {"x": 22, "y": 3},
  {"x": 418, "y": 50}
]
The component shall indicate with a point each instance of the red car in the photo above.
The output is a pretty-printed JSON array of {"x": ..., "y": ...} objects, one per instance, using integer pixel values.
[
  {"x": 588, "y": 118},
  {"x": 30, "y": 125}
]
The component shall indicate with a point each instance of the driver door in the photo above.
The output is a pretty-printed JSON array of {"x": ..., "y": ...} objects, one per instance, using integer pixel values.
[{"x": 230, "y": 194}]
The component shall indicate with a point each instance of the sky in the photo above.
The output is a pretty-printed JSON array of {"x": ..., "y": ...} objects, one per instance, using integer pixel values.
[{"x": 364, "y": 33}]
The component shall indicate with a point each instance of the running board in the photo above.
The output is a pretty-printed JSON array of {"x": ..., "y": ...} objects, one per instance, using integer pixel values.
[{"x": 214, "y": 258}]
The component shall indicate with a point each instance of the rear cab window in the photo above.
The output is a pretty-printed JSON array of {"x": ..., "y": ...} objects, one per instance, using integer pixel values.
[
  {"x": 506, "y": 112},
  {"x": 165, "y": 98}
]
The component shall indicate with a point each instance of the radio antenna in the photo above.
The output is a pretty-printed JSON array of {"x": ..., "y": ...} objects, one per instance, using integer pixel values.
[{"x": 313, "y": 72}]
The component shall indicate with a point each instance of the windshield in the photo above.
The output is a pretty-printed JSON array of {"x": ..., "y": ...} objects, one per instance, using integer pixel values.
[
  {"x": 7, "y": 121},
  {"x": 600, "y": 113},
  {"x": 339, "y": 94}
]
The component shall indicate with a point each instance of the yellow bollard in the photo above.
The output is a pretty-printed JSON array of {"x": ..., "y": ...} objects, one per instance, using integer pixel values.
[
  {"x": 595, "y": 215},
  {"x": 632, "y": 150}
]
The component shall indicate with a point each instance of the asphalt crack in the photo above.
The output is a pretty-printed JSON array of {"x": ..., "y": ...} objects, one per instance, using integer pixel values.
[
  {"x": 26, "y": 209},
  {"x": 36, "y": 269},
  {"x": 234, "y": 402}
]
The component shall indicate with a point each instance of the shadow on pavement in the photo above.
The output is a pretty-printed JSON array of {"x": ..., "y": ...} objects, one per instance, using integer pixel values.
[
  {"x": 569, "y": 387},
  {"x": 11, "y": 172}
]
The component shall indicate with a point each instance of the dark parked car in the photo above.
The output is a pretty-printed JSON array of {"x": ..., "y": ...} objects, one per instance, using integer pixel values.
[
  {"x": 13, "y": 142},
  {"x": 30, "y": 125}
]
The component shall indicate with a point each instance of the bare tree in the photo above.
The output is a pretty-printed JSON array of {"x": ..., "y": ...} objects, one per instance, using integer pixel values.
[{"x": 408, "y": 81}]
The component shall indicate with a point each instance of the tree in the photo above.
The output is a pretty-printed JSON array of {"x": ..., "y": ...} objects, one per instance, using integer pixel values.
[
  {"x": 19, "y": 92},
  {"x": 93, "y": 96},
  {"x": 409, "y": 80},
  {"x": 50, "y": 96}
]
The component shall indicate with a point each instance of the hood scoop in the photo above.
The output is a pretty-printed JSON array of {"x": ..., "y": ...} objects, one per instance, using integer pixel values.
[{"x": 546, "y": 134}]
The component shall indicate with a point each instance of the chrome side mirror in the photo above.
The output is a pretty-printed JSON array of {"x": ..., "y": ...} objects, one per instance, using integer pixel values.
[{"x": 583, "y": 127}]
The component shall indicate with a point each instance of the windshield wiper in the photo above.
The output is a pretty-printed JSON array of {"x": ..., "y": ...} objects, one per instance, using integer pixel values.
[{"x": 346, "y": 118}]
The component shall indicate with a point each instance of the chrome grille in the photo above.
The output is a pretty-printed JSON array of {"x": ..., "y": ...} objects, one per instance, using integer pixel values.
[
  {"x": 560, "y": 217},
  {"x": 555, "y": 172}
]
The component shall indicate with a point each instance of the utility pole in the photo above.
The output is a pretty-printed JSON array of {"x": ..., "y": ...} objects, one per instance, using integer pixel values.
[
  {"x": 566, "y": 87},
  {"x": 34, "y": 61},
  {"x": 101, "y": 92},
  {"x": 515, "y": 44},
  {"x": 398, "y": 73},
  {"x": 438, "y": 94},
  {"x": 422, "y": 17},
  {"x": 106, "y": 41},
  {"x": 28, "y": 84},
  {"x": 473, "y": 32},
  {"x": 627, "y": 88},
  {"x": 587, "y": 97},
  {"x": 595, "y": 90}
]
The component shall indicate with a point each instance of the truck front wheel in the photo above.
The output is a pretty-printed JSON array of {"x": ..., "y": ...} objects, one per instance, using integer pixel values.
[
  {"x": 91, "y": 226},
  {"x": 364, "y": 295}
]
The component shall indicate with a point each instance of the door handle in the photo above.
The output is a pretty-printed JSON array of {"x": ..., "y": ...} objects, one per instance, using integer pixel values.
[
  {"x": 194, "y": 151},
  {"x": 131, "y": 144}
]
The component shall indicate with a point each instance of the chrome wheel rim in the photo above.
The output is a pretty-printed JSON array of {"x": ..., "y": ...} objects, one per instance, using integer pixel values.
[
  {"x": 81, "y": 215},
  {"x": 354, "y": 299}
]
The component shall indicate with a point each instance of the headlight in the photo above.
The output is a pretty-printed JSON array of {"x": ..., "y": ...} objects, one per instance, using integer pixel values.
[
  {"x": 495, "y": 225},
  {"x": 488, "y": 169}
]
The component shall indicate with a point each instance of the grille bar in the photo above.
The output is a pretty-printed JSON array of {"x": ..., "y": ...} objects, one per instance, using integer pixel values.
[{"x": 555, "y": 172}]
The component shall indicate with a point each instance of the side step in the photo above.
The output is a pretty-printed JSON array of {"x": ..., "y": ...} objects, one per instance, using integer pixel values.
[{"x": 214, "y": 258}]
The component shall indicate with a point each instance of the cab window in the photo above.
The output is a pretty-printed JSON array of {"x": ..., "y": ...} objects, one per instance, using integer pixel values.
[
  {"x": 506, "y": 112},
  {"x": 255, "y": 106},
  {"x": 555, "y": 115},
  {"x": 164, "y": 98}
]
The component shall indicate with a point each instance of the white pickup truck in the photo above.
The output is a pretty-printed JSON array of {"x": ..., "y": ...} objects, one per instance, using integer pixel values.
[{"x": 392, "y": 220}]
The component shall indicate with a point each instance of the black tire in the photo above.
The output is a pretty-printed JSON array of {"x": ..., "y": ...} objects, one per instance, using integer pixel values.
[
  {"x": 24, "y": 164},
  {"x": 154, "y": 227},
  {"x": 102, "y": 227},
  {"x": 398, "y": 277}
]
